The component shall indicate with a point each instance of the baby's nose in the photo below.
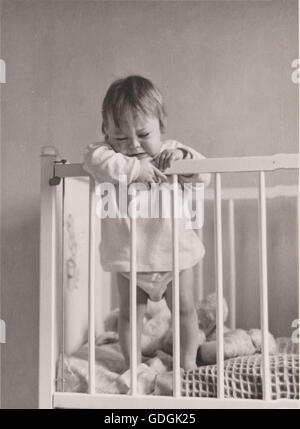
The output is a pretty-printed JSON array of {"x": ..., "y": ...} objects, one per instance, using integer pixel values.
[{"x": 134, "y": 142}]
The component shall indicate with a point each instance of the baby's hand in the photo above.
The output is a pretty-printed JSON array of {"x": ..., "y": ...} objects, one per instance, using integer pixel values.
[
  {"x": 167, "y": 156},
  {"x": 149, "y": 173}
]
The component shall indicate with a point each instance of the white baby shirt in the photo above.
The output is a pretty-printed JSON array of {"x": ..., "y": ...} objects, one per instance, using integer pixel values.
[{"x": 154, "y": 235}]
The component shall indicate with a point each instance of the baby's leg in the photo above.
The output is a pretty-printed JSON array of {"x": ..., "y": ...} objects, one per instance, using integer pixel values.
[
  {"x": 124, "y": 317},
  {"x": 189, "y": 331}
]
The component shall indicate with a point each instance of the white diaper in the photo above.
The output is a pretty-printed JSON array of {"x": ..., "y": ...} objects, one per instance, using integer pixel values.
[{"x": 154, "y": 284}]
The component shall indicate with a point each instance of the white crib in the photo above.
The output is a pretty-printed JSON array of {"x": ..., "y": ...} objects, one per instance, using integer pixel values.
[{"x": 52, "y": 341}]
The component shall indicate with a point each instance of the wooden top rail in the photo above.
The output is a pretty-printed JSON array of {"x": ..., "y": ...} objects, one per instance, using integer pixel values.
[
  {"x": 237, "y": 164},
  {"x": 208, "y": 165}
]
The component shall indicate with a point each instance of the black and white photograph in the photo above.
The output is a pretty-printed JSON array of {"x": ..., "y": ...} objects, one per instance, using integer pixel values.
[{"x": 150, "y": 207}]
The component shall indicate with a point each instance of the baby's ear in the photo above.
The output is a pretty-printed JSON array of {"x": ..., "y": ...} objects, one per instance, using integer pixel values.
[
  {"x": 104, "y": 131},
  {"x": 163, "y": 125}
]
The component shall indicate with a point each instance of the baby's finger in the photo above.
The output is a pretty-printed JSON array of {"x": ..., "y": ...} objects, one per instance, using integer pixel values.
[
  {"x": 159, "y": 174},
  {"x": 169, "y": 160},
  {"x": 158, "y": 161},
  {"x": 155, "y": 160},
  {"x": 162, "y": 159}
]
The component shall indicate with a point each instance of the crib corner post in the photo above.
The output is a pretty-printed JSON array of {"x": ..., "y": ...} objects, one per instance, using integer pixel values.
[{"x": 47, "y": 279}]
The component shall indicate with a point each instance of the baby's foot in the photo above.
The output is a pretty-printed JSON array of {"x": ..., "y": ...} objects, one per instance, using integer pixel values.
[{"x": 188, "y": 363}]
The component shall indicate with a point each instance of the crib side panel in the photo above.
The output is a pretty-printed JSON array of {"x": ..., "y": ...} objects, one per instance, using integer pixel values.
[{"x": 76, "y": 269}]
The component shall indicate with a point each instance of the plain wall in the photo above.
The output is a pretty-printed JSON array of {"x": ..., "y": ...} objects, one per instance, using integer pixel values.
[{"x": 225, "y": 71}]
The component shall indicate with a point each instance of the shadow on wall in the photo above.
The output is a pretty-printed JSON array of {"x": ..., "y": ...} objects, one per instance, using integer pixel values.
[{"x": 20, "y": 276}]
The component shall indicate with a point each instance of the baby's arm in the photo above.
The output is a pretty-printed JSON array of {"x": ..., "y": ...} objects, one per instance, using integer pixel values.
[{"x": 104, "y": 164}]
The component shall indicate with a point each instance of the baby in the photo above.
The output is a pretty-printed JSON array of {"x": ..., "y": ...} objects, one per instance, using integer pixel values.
[{"x": 134, "y": 120}]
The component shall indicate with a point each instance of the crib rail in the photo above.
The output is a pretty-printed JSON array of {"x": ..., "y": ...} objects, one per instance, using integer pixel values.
[
  {"x": 216, "y": 166},
  {"x": 211, "y": 165}
]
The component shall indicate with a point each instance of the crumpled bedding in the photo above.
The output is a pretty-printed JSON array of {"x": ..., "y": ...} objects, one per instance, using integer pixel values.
[{"x": 154, "y": 375}]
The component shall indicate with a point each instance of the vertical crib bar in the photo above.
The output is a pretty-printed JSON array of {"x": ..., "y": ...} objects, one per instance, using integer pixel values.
[
  {"x": 264, "y": 286},
  {"x": 91, "y": 286},
  {"x": 232, "y": 265},
  {"x": 175, "y": 292},
  {"x": 219, "y": 285},
  {"x": 62, "y": 297},
  {"x": 298, "y": 233},
  {"x": 48, "y": 279},
  {"x": 199, "y": 274},
  {"x": 298, "y": 205},
  {"x": 133, "y": 286}
]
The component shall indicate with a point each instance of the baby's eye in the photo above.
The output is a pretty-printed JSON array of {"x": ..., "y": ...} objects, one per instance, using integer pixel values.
[
  {"x": 121, "y": 138},
  {"x": 142, "y": 136}
]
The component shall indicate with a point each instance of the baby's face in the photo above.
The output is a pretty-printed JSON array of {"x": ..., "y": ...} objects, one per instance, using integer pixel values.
[{"x": 137, "y": 136}]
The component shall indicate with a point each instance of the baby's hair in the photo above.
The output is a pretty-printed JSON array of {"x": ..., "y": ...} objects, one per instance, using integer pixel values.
[{"x": 134, "y": 95}]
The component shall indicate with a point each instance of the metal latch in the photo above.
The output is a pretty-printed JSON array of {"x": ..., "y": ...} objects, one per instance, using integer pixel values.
[{"x": 55, "y": 180}]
